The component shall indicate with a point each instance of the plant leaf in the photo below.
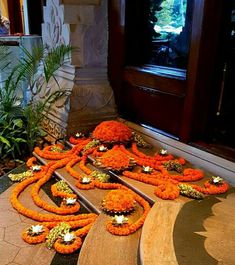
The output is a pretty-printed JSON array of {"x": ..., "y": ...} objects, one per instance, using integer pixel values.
[{"x": 5, "y": 141}]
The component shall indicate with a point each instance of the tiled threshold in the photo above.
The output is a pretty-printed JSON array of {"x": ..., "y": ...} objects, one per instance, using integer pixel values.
[{"x": 199, "y": 158}]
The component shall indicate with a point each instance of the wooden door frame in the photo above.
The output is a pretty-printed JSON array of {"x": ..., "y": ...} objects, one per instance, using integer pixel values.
[{"x": 204, "y": 72}]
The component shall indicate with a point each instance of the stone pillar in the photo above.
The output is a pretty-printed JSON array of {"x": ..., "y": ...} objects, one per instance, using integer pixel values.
[{"x": 84, "y": 25}]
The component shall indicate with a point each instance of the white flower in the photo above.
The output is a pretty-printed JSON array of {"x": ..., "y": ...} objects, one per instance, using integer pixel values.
[
  {"x": 36, "y": 168},
  {"x": 120, "y": 219},
  {"x": 68, "y": 237},
  {"x": 102, "y": 148},
  {"x": 163, "y": 152},
  {"x": 36, "y": 229},
  {"x": 147, "y": 169},
  {"x": 70, "y": 200},
  {"x": 85, "y": 180},
  {"x": 78, "y": 135},
  {"x": 217, "y": 180}
]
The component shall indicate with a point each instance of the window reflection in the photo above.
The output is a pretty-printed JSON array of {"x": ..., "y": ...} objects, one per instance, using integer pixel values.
[{"x": 170, "y": 23}]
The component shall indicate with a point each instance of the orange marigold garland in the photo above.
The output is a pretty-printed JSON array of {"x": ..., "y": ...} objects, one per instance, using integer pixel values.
[
  {"x": 45, "y": 153},
  {"x": 83, "y": 167},
  {"x": 31, "y": 161},
  {"x": 77, "y": 140},
  {"x": 70, "y": 204},
  {"x": 167, "y": 191},
  {"x": 211, "y": 188},
  {"x": 61, "y": 193},
  {"x": 189, "y": 174},
  {"x": 120, "y": 200},
  {"x": 153, "y": 158},
  {"x": 85, "y": 183},
  {"x": 33, "y": 214},
  {"x": 112, "y": 131},
  {"x": 43, "y": 204}
]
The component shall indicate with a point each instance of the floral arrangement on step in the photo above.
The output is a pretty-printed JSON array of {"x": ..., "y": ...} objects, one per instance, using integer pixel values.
[
  {"x": 157, "y": 170},
  {"x": 47, "y": 221}
]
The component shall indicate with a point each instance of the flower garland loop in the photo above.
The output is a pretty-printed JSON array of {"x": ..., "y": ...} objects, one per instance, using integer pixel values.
[
  {"x": 62, "y": 248},
  {"x": 127, "y": 229},
  {"x": 35, "y": 238}
]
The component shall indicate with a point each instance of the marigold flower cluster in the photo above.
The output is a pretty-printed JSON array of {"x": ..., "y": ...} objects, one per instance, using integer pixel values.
[
  {"x": 114, "y": 159},
  {"x": 118, "y": 201},
  {"x": 112, "y": 131}
]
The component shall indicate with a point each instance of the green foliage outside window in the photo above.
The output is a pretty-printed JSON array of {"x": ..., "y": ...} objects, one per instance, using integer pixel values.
[{"x": 171, "y": 17}]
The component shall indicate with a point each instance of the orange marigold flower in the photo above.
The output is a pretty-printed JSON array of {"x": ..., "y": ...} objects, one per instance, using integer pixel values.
[
  {"x": 118, "y": 201},
  {"x": 115, "y": 159}
]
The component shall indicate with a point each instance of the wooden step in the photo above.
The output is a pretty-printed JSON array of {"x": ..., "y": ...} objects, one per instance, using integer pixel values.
[
  {"x": 156, "y": 243},
  {"x": 102, "y": 248}
]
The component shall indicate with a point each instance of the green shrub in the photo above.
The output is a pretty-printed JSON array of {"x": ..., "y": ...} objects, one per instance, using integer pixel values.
[{"x": 21, "y": 116}]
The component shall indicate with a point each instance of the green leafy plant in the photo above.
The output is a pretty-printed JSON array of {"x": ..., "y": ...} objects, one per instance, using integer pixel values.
[
  {"x": 21, "y": 113},
  {"x": 12, "y": 136}
]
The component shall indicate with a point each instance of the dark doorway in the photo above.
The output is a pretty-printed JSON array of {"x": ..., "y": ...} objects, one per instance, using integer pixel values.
[
  {"x": 220, "y": 136},
  {"x": 15, "y": 16},
  {"x": 225, "y": 126},
  {"x": 35, "y": 16}
]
